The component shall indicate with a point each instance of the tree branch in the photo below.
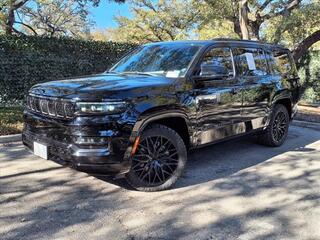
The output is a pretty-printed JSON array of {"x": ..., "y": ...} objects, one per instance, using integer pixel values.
[
  {"x": 287, "y": 9},
  {"x": 149, "y": 5},
  {"x": 19, "y": 5},
  {"x": 305, "y": 45},
  {"x": 26, "y": 25},
  {"x": 169, "y": 33},
  {"x": 264, "y": 5},
  {"x": 18, "y": 32}
]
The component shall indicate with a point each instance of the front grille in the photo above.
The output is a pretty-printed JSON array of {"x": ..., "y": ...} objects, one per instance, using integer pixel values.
[{"x": 50, "y": 106}]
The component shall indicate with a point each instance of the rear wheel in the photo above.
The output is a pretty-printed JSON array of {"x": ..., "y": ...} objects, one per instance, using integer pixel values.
[
  {"x": 159, "y": 159},
  {"x": 277, "y": 131}
]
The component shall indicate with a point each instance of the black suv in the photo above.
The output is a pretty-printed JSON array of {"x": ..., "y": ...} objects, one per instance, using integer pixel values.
[{"x": 139, "y": 119}]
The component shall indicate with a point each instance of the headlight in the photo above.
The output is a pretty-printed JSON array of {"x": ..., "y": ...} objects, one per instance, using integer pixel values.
[{"x": 101, "y": 107}]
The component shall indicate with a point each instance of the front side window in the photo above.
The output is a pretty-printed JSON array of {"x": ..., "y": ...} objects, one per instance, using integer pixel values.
[
  {"x": 250, "y": 62},
  {"x": 217, "y": 62},
  {"x": 161, "y": 59}
]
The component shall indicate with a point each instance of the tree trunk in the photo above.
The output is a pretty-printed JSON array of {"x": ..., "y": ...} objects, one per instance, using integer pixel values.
[
  {"x": 307, "y": 72},
  {"x": 236, "y": 27},
  {"x": 11, "y": 17},
  {"x": 255, "y": 29},
  {"x": 10, "y": 20},
  {"x": 303, "y": 47},
  {"x": 255, "y": 26},
  {"x": 243, "y": 18}
]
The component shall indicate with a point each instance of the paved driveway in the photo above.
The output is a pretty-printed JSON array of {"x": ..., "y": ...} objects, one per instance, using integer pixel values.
[{"x": 234, "y": 190}]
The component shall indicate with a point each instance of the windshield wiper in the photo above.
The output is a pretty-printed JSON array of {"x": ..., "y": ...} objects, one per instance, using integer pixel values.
[
  {"x": 137, "y": 73},
  {"x": 133, "y": 72}
]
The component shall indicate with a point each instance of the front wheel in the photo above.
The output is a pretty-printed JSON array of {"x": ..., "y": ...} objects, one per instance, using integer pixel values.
[
  {"x": 158, "y": 161},
  {"x": 277, "y": 131}
]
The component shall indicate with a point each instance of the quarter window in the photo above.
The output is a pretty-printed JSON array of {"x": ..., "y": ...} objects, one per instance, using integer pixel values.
[
  {"x": 250, "y": 62},
  {"x": 217, "y": 62},
  {"x": 280, "y": 63}
]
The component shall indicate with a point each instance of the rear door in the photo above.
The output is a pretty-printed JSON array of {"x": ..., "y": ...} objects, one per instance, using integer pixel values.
[
  {"x": 218, "y": 96},
  {"x": 258, "y": 86}
]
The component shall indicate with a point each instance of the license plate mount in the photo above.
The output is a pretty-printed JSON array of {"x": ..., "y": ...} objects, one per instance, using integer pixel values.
[{"x": 40, "y": 150}]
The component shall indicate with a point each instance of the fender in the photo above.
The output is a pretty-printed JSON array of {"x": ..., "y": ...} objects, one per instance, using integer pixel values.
[
  {"x": 281, "y": 95},
  {"x": 285, "y": 94},
  {"x": 146, "y": 118}
]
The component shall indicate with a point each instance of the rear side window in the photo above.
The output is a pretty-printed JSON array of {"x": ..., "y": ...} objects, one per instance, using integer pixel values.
[
  {"x": 250, "y": 62},
  {"x": 280, "y": 63}
]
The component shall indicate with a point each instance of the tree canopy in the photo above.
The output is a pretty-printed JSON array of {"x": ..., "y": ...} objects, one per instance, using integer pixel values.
[
  {"x": 161, "y": 21},
  {"x": 294, "y": 23},
  {"x": 46, "y": 17}
]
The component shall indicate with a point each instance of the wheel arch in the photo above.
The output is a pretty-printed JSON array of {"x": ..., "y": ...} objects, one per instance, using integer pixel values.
[
  {"x": 174, "y": 119},
  {"x": 285, "y": 99},
  {"x": 287, "y": 103}
]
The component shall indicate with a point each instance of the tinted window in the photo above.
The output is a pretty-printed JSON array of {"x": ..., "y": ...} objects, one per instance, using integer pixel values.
[
  {"x": 159, "y": 59},
  {"x": 280, "y": 63},
  {"x": 250, "y": 62},
  {"x": 217, "y": 61}
]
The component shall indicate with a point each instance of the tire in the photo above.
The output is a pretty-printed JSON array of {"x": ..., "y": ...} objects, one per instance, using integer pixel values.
[
  {"x": 277, "y": 130},
  {"x": 159, "y": 160}
]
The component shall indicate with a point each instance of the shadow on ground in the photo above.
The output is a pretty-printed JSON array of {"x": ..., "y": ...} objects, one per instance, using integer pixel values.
[{"x": 231, "y": 190}]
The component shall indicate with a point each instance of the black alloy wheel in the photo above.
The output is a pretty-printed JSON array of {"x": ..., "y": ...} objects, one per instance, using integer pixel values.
[
  {"x": 277, "y": 131},
  {"x": 279, "y": 126},
  {"x": 159, "y": 159}
]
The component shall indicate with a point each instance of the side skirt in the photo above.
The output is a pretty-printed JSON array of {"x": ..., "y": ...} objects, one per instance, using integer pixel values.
[{"x": 224, "y": 133}]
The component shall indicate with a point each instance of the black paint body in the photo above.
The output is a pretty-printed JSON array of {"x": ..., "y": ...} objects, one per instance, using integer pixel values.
[{"x": 202, "y": 112}]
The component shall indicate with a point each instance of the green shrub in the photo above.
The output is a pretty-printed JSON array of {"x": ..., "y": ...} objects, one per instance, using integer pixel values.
[
  {"x": 309, "y": 96},
  {"x": 11, "y": 120},
  {"x": 309, "y": 73},
  {"x": 27, "y": 60}
]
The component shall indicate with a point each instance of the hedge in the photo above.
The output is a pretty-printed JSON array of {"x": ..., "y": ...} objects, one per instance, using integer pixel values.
[{"x": 27, "y": 60}]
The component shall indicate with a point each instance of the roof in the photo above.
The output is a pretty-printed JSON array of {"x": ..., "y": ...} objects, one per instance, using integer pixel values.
[
  {"x": 251, "y": 42},
  {"x": 226, "y": 40}
]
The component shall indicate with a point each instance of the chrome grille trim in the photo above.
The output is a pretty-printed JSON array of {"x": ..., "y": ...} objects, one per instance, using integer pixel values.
[{"x": 47, "y": 106}]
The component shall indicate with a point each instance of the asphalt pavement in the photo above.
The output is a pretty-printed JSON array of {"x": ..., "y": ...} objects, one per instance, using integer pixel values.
[{"x": 232, "y": 190}]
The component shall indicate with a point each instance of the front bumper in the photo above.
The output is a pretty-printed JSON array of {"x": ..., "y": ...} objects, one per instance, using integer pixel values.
[{"x": 108, "y": 157}]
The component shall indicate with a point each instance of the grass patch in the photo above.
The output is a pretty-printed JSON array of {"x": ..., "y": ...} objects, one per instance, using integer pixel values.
[{"x": 11, "y": 120}]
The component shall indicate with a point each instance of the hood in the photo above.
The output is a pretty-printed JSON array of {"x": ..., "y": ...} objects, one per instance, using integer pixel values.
[{"x": 104, "y": 85}]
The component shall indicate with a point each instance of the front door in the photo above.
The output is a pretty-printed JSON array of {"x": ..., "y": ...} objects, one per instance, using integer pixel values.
[{"x": 218, "y": 97}]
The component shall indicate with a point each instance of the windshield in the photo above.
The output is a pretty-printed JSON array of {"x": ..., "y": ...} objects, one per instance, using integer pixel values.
[{"x": 171, "y": 60}]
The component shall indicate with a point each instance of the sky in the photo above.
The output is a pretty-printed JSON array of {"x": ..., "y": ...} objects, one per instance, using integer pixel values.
[{"x": 103, "y": 15}]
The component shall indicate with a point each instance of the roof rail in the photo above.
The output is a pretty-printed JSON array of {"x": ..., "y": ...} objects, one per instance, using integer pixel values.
[
  {"x": 250, "y": 41},
  {"x": 235, "y": 39}
]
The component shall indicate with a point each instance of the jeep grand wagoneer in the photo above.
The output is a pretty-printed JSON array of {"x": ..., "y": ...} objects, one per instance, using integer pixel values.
[{"x": 139, "y": 119}]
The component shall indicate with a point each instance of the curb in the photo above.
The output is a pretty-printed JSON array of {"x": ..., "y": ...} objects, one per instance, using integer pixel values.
[
  {"x": 304, "y": 124},
  {"x": 315, "y": 118},
  {"x": 10, "y": 138}
]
